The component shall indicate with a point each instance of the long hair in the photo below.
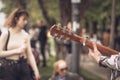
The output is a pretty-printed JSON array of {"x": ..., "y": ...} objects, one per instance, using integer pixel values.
[{"x": 11, "y": 21}]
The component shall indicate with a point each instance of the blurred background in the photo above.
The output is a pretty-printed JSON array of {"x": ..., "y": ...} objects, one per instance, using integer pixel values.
[{"x": 97, "y": 19}]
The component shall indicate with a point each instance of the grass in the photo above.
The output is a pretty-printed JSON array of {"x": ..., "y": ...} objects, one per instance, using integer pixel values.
[{"x": 46, "y": 72}]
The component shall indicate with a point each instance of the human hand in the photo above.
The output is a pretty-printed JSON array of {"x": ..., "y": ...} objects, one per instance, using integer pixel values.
[
  {"x": 37, "y": 76},
  {"x": 94, "y": 52}
]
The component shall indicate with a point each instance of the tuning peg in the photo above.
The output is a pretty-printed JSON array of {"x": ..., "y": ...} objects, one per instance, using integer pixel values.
[
  {"x": 67, "y": 38},
  {"x": 85, "y": 39},
  {"x": 61, "y": 37},
  {"x": 59, "y": 24},
  {"x": 55, "y": 35},
  {"x": 57, "y": 38},
  {"x": 58, "y": 28}
]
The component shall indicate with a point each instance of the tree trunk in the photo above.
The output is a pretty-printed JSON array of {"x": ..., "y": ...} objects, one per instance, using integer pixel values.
[
  {"x": 112, "y": 28},
  {"x": 83, "y": 7},
  {"x": 48, "y": 19},
  {"x": 65, "y": 11}
]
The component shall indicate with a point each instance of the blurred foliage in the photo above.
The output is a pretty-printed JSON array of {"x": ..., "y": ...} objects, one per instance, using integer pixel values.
[
  {"x": 47, "y": 72},
  {"x": 33, "y": 8},
  {"x": 99, "y": 9},
  {"x": 8, "y": 5},
  {"x": 34, "y": 11}
]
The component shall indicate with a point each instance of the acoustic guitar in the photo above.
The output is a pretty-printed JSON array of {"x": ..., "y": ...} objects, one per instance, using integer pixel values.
[{"x": 66, "y": 34}]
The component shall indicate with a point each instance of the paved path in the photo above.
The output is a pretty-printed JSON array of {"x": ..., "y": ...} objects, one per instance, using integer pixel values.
[{"x": 88, "y": 64}]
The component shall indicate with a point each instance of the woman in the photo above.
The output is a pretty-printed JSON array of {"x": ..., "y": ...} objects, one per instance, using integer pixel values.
[{"x": 18, "y": 55}]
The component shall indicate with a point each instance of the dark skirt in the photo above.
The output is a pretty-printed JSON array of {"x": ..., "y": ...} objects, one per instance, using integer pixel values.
[{"x": 15, "y": 69}]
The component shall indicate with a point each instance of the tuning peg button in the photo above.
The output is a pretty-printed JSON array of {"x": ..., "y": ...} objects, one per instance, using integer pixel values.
[
  {"x": 55, "y": 35},
  {"x": 61, "y": 36}
]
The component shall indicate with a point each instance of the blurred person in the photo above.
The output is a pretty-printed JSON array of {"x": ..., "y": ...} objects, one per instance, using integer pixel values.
[
  {"x": 16, "y": 58},
  {"x": 112, "y": 62},
  {"x": 61, "y": 72},
  {"x": 117, "y": 43},
  {"x": 68, "y": 45},
  {"x": 106, "y": 38},
  {"x": 83, "y": 32},
  {"x": 84, "y": 49},
  {"x": 42, "y": 37},
  {"x": 94, "y": 38},
  {"x": 33, "y": 41},
  {"x": 33, "y": 37},
  {"x": 50, "y": 44},
  {"x": 59, "y": 48}
]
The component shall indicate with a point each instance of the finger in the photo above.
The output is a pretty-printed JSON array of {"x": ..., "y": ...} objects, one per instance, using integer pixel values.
[
  {"x": 94, "y": 46},
  {"x": 36, "y": 78},
  {"x": 90, "y": 50}
]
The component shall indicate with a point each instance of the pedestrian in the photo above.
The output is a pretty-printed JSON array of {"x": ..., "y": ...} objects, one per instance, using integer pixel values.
[
  {"x": 42, "y": 37},
  {"x": 33, "y": 41},
  {"x": 16, "y": 56}
]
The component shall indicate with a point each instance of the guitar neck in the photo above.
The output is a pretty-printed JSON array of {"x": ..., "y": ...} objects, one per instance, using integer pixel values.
[
  {"x": 62, "y": 33},
  {"x": 103, "y": 49}
]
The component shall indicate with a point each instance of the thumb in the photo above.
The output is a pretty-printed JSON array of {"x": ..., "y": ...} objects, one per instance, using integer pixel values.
[
  {"x": 94, "y": 46},
  {"x": 90, "y": 50}
]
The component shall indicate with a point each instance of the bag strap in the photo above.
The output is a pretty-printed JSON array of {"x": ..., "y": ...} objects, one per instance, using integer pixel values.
[
  {"x": 7, "y": 40},
  {"x": 0, "y": 31}
]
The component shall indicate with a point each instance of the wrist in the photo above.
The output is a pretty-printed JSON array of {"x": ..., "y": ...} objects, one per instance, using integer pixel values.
[
  {"x": 17, "y": 51},
  {"x": 36, "y": 72},
  {"x": 101, "y": 60}
]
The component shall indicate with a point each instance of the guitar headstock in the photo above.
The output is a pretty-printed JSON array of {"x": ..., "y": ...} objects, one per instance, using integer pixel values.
[{"x": 61, "y": 33}]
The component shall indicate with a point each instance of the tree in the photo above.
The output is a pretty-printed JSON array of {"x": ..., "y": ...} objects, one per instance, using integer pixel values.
[
  {"x": 112, "y": 28},
  {"x": 84, "y": 5},
  {"x": 65, "y": 11},
  {"x": 45, "y": 12},
  {"x": 101, "y": 11},
  {"x": 9, "y": 5},
  {"x": 50, "y": 19},
  {"x": 34, "y": 9}
]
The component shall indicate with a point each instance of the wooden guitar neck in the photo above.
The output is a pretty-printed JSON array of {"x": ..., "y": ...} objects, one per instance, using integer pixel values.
[
  {"x": 103, "y": 49},
  {"x": 66, "y": 34}
]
